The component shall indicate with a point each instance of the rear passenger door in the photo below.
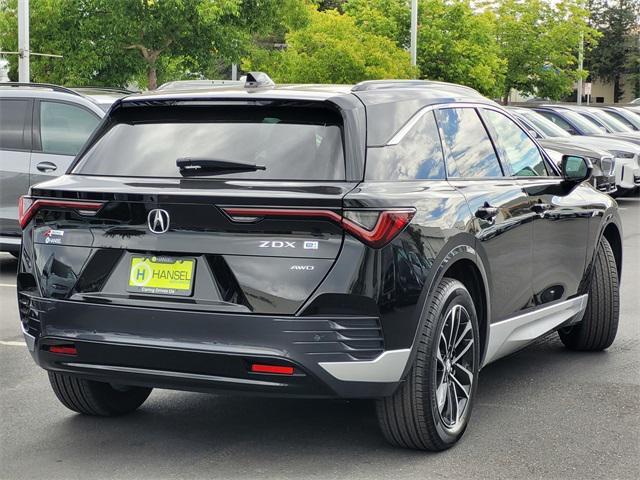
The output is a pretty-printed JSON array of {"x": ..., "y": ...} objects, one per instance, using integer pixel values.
[
  {"x": 499, "y": 204},
  {"x": 61, "y": 129},
  {"x": 15, "y": 153},
  {"x": 561, "y": 216}
]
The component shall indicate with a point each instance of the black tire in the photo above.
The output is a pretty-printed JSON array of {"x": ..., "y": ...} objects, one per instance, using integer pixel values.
[
  {"x": 96, "y": 398},
  {"x": 410, "y": 418},
  {"x": 599, "y": 326}
]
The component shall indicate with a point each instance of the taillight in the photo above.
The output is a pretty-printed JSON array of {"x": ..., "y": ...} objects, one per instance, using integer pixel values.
[
  {"x": 375, "y": 228},
  {"x": 28, "y": 207}
]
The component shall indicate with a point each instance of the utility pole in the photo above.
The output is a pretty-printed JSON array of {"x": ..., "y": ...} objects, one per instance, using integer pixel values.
[
  {"x": 580, "y": 64},
  {"x": 414, "y": 32},
  {"x": 23, "y": 41}
]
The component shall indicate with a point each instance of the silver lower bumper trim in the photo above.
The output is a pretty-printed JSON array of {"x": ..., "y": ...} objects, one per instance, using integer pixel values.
[
  {"x": 514, "y": 333},
  {"x": 387, "y": 367},
  {"x": 167, "y": 373},
  {"x": 10, "y": 240}
]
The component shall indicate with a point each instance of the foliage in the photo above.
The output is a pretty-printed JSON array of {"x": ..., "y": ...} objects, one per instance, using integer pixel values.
[
  {"x": 617, "y": 51},
  {"x": 389, "y": 18},
  {"x": 331, "y": 48},
  {"x": 458, "y": 45},
  {"x": 111, "y": 42},
  {"x": 540, "y": 44}
]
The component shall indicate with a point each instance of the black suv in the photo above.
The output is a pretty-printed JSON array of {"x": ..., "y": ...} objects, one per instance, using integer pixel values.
[{"x": 380, "y": 241}]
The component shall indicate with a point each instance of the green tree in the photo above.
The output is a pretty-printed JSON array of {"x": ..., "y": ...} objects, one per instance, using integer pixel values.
[
  {"x": 617, "y": 51},
  {"x": 457, "y": 44},
  {"x": 331, "y": 48},
  {"x": 540, "y": 41},
  {"x": 389, "y": 18},
  {"x": 111, "y": 42}
]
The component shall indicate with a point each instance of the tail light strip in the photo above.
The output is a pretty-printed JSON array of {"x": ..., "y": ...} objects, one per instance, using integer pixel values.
[
  {"x": 27, "y": 207},
  {"x": 390, "y": 222}
]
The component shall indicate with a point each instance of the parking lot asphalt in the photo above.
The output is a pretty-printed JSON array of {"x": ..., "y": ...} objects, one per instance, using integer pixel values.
[{"x": 544, "y": 412}]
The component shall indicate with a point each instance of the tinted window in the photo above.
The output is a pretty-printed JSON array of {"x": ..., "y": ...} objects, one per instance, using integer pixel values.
[
  {"x": 14, "y": 114},
  {"x": 418, "y": 156},
  {"x": 542, "y": 123},
  {"x": 64, "y": 128},
  {"x": 292, "y": 144},
  {"x": 557, "y": 120},
  {"x": 517, "y": 148},
  {"x": 469, "y": 144}
]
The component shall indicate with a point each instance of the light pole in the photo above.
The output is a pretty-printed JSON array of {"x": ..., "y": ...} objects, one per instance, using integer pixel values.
[
  {"x": 414, "y": 32},
  {"x": 23, "y": 41},
  {"x": 580, "y": 64}
]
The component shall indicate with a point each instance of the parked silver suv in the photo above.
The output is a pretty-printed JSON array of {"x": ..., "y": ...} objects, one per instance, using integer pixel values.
[{"x": 42, "y": 127}]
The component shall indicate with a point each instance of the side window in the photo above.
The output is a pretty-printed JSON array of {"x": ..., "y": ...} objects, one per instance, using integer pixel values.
[
  {"x": 469, "y": 144},
  {"x": 418, "y": 156},
  {"x": 64, "y": 128},
  {"x": 557, "y": 120},
  {"x": 14, "y": 131},
  {"x": 518, "y": 149}
]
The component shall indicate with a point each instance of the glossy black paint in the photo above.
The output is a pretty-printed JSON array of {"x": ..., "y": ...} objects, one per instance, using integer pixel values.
[{"x": 517, "y": 243}]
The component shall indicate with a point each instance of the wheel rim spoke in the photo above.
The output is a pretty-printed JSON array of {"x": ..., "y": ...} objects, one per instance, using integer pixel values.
[
  {"x": 464, "y": 350},
  {"x": 460, "y": 386},
  {"x": 467, "y": 328},
  {"x": 467, "y": 372}
]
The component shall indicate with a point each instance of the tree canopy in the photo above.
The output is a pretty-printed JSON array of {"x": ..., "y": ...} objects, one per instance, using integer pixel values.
[
  {"x": 491, "y": 45},
  {"x": 618, "y": 50},
  {"x": 331, "y": 48}
]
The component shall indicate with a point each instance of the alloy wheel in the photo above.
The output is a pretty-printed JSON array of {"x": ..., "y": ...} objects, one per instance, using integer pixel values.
[{"x": 455, "y": 358}]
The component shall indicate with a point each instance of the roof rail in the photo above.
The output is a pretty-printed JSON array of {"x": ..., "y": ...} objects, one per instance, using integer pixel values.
[
  {"x": 106, "y": 89},
  {"x": 50, "y": 86},
  {"x": 383, "y": 84}
]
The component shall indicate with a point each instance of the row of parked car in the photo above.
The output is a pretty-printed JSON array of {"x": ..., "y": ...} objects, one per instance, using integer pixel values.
[{"x": 43, "y": 127}]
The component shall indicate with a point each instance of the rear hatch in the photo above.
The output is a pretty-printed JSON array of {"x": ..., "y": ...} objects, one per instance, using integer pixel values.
[{"x": 214, "y": 207}]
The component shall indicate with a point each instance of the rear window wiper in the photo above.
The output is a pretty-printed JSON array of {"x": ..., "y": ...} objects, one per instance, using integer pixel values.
[{"x": 203, "y": 166}]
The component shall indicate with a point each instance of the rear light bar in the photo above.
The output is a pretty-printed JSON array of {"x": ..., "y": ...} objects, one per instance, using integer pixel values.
[
  {"x": 375, "y": 228},
  {"x": 28, "y": 207}
]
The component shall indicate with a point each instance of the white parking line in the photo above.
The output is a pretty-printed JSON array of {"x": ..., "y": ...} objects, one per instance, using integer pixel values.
[
  {"x": 12, "y": 344},
  {"x": 7, "y": 284}
]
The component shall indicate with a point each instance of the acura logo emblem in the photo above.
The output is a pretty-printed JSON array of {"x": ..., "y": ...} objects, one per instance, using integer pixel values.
[{"x": 158, "y": 220}]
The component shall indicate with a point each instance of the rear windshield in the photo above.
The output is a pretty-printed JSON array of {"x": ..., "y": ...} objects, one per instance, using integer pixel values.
[{"x": 291, "y": 143}]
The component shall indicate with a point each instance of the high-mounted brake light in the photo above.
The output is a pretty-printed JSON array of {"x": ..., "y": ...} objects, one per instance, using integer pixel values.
[
  {"x": 28, "y": 207},
  {"x": 375, "y": 228}
]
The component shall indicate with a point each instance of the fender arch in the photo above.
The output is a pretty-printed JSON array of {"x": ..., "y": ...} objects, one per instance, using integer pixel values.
[{"x": 460, "y": 253}]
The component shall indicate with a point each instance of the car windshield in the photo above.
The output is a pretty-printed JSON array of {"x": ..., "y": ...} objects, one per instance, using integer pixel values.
[
  {"x": 611, "y": 122},
  {"x": 583, "y": 124},
  {"x": 546, "y": 126}
]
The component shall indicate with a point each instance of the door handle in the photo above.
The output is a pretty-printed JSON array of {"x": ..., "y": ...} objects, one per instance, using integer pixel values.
[
  {"x": 540, "y": 208},
  {"x": 47, "y": 167},
  {"x": 487, "y": 212}
]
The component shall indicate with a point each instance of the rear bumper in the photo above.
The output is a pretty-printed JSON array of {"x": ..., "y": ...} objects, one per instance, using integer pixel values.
[{"x": 202, "y": 351}]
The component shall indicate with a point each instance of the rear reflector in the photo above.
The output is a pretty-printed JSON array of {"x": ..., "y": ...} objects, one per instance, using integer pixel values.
[
  {"x": 27, "y": 207},
  {"x": 375, "y": 228},
  {"x": 63, "y": 349},
  {"x": 277, "y": 369}
]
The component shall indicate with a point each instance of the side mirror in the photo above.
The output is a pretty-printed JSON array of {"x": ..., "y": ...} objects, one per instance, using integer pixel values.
[{"x": 576, "y": 169}]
